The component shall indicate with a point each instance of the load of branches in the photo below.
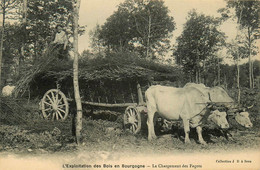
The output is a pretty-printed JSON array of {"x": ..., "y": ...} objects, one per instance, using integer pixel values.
[
  {"x": 29, "y": 73},
  {"x": 114, "y": 71},
  {"x": 118, "y": 67}
]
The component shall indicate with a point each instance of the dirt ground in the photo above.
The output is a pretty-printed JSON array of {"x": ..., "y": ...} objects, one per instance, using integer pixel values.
[
  {"x": 27, "y": 141},
  {"x": 27, "y": 133}
]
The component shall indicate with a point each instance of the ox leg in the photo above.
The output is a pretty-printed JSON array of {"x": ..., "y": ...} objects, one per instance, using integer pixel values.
[
  {"x": 150, "y": 124},
  {"x": 186, "y": 125},
  {"x": 199, "y": 132}
]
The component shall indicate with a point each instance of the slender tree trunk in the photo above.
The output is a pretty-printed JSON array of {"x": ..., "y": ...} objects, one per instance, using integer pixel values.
[
  {"x": 225, "y": 81},
  {"x": 249, "y": 59},
  {"x": 149, "y": 35},
  {"x": 238, "y": 84},
  {"x": 197, "y": 76},
  {"x": 78, "y": 120},
  {"x": 204, "y": 73},
  {"x": 2, "y": 40},
  {"x": 252, "y": 74},
  {"x": 22, "y": 56},
  {"x": 218, "y": 72}
]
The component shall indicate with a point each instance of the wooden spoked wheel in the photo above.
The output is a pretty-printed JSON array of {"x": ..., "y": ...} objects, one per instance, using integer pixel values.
[
  {"x": 54, "y": 105},
  {"x": 132, "y": 120}
]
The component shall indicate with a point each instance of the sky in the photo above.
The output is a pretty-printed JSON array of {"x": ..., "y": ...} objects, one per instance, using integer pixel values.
[{"x": 94, "y": 12}]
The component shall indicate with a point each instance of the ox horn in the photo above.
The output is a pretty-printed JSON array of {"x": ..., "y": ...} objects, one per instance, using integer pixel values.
[{"x": 250, "y": 106}]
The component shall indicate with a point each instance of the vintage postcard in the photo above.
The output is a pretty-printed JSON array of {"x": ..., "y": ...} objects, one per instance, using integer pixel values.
[{"x": 129, "y": 84}]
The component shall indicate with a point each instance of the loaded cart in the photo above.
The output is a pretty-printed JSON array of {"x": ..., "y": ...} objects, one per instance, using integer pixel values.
[{"x": 117, "y": 81}]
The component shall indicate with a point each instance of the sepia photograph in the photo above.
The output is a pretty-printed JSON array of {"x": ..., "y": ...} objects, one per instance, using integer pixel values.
[{"x": 129, "y": 84}]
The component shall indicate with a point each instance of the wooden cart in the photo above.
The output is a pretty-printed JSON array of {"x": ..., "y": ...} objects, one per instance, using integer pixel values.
[{"x": 55, "y": 106}]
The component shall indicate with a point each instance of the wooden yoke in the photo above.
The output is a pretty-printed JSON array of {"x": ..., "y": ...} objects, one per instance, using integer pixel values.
[{"x": 140, "y": 95}]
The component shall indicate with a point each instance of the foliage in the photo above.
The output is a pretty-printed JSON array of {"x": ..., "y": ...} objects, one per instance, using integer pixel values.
[
  {"x": 247, "y": 16},
  {"x": 35, "y": 35},
  {"x": 8, "y": 8},
  {"x": 42, "y": 18},
  {"x": 249, "y": 97},
  {"x": 12, "y": 40},
  {"x": 229, "y": 78},
  {"x": 199, "y": 40},
  {"x": 247, "y": 11},
  {"x": 138, "y": 26},
  {"x": 96, "y": 42}
]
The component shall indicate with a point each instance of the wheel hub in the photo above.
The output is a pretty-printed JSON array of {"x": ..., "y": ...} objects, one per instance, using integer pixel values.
[
  {"x": 131, "y": 119},
  {"x": 55, "y": 107}
]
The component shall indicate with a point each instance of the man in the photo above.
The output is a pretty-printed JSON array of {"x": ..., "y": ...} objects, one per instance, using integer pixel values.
[
  {"x": 61, "y": 42},
  {"x": 8, "y": 89}
]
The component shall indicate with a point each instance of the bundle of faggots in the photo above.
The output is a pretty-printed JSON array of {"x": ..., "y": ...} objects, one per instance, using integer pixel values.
[{"x": 100, "y": 74}]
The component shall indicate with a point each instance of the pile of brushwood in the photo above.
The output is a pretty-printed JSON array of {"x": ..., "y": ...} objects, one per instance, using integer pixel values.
[{"x": 114, "y": 76}]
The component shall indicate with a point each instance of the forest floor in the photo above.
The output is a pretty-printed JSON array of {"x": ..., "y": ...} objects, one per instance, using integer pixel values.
[{"x": 28, "y": 134}]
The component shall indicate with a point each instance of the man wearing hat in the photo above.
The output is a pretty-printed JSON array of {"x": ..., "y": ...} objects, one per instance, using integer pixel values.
[{"x": 8, "y": 89}]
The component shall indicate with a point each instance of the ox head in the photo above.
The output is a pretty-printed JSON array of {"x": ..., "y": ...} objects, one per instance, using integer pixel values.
[
  {"x": 243, "y": 119},
  {"x": 219, "y": 118}
]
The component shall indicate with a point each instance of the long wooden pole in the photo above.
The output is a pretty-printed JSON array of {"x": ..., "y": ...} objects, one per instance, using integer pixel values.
[
  {"x": 140, "y": 95},
  {"x": 78, "y": 121}
]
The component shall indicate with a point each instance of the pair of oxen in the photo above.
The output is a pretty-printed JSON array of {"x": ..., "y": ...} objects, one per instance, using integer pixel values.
[{"x": 193, "y": 104}]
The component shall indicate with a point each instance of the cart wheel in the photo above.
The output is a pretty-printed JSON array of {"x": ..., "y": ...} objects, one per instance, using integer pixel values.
[
  {"x": 132, "y": 119},
  {"x": 54, "y": 105}
]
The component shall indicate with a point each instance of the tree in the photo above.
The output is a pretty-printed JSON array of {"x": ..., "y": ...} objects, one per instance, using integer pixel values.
[
  {"x": 42, "y": 18},
  {"x": 6, "y": 5},
  {"x": 199, "y": 41},
  {"x": 236, "y": 51},
  {"x": 247, "y": 14},
  {"x": 11, "y": 49},
  {"x": 78, "y": 122},
  {"x": 96, "y": 42},
  {"x": 143, "y": 26}
]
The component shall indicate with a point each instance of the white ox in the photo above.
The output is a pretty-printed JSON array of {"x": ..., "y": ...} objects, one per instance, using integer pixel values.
[
  {"x": 7, "y": 90},
  {"x": 215, "y": 94},
  {"x": 218, "y": 94},
  {"x": 186, "y": 104}
]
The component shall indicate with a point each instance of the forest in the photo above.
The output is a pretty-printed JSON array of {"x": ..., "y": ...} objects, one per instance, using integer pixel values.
[{"x": 143, "y": 28}]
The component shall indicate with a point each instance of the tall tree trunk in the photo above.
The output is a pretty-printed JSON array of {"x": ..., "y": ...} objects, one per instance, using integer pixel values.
[
  {"x": 2, "y": 40},
  {"x": 238, "y": 84},
  {"x": 78, "y": 120},
  {"x": 24, "y": 20},
  {"x": 252, "y": 74},
  {"x": 197, "y": 76},
  {"x": 225, "y": 81},
  {"x": 249, "y": 59},
  {"x": 149, "y": 35},
  {"x": 218, "y": 72}
]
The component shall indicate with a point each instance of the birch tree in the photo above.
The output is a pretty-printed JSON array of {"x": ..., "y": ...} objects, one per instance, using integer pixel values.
[{"x": 78, "y": 119}]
